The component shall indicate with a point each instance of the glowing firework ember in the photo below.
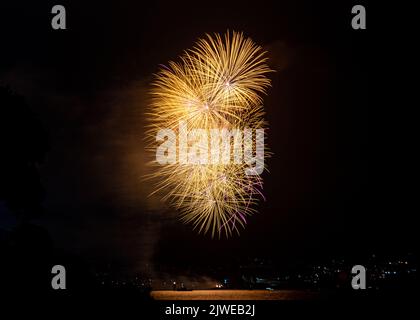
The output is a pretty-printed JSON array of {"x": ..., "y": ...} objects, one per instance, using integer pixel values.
[{"x": 206, "y": 117}]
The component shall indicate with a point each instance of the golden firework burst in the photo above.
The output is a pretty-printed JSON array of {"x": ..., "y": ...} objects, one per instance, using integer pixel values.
[{"x": 216, "y": 85}]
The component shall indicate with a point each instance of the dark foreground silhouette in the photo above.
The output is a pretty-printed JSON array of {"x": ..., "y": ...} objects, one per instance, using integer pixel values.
[{"x": 27, "y": 252}]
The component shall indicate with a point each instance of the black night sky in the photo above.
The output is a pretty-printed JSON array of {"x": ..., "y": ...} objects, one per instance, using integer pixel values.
[{"x": 87, "y": 86}]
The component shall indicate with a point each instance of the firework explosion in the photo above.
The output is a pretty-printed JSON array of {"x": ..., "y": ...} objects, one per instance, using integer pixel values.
[{"x": 216, "y": 85}]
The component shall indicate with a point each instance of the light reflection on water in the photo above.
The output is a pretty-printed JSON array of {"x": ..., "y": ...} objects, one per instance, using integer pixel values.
[{"x": 234, "y": 295}]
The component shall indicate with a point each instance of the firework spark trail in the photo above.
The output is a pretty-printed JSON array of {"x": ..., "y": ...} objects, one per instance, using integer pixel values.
[{"x": 217, "y": 84}]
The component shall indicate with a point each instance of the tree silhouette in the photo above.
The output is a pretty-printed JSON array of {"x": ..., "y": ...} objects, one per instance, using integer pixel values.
[{"x": 23, "y": 145}]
